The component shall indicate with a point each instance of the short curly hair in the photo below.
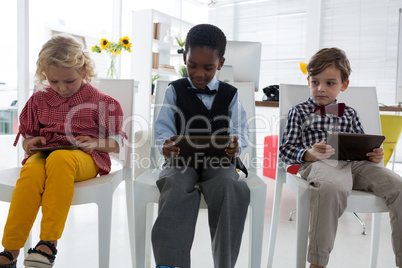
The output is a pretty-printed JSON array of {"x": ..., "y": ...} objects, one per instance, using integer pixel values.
[
  {"x": 206, "y": 35},
  {"x": 64, "y": 51},
  {"x": 330, "y": 57}
]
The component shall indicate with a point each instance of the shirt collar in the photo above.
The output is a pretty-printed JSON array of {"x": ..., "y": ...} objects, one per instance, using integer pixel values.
[
  {"x": 311, "y": 100},
  {"x": 213, "y": 84}
]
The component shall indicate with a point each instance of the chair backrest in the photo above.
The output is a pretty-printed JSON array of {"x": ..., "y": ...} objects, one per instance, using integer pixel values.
[
  {"x": 246, "y": 96},
  {"x": 157, "y": 158},
  {"x": 362, "y": 99},
  {"x": 122, "y": 90}
]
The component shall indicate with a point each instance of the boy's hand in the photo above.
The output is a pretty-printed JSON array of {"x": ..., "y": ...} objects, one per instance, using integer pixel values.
[
  {"x": 86, "y": 143},
  {"x": 233, "y": 148},
  {"x": 376, "y": 155},
  {"x": 33, "y": 142},
  {"x": 319, "y": 151},
  {"x": 169, "y": 149}
]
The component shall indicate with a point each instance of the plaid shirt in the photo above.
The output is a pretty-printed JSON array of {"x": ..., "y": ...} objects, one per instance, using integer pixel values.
[
  {"x": 304, "y": 129},
  {"x": 88, "y": 112}
]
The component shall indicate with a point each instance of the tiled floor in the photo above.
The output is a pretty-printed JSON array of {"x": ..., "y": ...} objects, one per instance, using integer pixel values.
[{"x": 78, "y": 246}]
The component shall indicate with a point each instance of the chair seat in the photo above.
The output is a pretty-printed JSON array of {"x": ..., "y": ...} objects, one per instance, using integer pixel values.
[
  {"x": 149, "y": 178},
  {"x": 89, "y": 187},
  {"x": 8, "y": 180},
  {"x": 358, "y": 201}
]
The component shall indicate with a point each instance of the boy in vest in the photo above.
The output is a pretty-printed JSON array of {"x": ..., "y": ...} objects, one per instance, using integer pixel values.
[{"x": 200, "y": 105}]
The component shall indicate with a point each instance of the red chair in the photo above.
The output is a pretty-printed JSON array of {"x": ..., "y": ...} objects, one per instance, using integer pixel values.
[{"x": 270, "y": 156}]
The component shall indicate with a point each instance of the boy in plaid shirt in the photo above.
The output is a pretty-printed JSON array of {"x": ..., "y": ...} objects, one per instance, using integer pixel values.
[{"x": 331, "y": 181}]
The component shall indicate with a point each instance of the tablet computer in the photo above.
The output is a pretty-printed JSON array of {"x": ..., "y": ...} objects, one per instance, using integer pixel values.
[
  {"x": 53, "y": 148},
  {"x": 208, "y": 151},
  {"x": 353, "y": 146}
]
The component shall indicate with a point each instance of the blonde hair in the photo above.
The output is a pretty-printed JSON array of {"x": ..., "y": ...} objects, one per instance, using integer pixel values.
[
  {"x": 64, "y": 51},
  {"x": 330, "y": 57}
]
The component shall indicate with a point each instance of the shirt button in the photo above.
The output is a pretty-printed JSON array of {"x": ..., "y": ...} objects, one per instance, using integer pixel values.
[{"x": 61, "y": 127}]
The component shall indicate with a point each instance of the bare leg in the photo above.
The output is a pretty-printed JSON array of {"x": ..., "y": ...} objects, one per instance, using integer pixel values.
[
  {"x": 46, "y": 249},
  {"x": 15, "y": 253}
]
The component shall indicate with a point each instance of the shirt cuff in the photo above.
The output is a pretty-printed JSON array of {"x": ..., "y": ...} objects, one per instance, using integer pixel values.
[{"x": 299, "y": 156}]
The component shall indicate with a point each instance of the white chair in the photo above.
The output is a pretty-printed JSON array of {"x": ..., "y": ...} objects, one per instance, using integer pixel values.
[
  {"x": 358, "y": 201},
  {"x": 98, "y": 190},
  {"x": 146, "y": 193}
]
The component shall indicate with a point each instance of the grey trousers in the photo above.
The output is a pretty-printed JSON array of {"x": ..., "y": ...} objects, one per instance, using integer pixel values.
[
  {"x": 227, "y": 199},
  {"x": 331, "y": 182}
]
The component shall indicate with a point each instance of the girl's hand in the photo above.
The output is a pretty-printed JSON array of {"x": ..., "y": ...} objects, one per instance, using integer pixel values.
[
  {"x": 170, "y": 149},
  {"x": 86, "y": 143},
  {"x": 319, "y": 151},
  {"x": 33, "y": 142},
  {"x": 376, "y": 155},
  {"x": 233, "y": 148}
]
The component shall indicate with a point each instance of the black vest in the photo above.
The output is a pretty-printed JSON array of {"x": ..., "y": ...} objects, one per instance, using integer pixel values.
[{"x": 193, "y": 118}]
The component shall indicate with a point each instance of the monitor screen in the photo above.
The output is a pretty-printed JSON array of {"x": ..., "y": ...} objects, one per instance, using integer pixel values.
[{"x": 242, "y": 62}]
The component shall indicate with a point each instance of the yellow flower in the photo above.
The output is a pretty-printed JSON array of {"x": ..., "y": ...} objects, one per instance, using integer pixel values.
[
  {"x": 303, "y": 67},
  {"x": 104, "y": 43},
  {"x": 115, "y": 52},
  {"x": 96, "y": 49},
  {"x": 125, "y": 41}
]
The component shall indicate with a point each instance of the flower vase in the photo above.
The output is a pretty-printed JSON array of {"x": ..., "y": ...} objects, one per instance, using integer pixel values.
[
  {"x": 112, "y": 72},
  {"x": 168, "y": 38}
]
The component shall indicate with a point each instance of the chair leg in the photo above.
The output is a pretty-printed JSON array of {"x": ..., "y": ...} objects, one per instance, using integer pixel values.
[
  {"x": 375, "y": 239},
  {"x": 302, "y": 227},
  {"x": 148, "y": 244},
  {"x": 130, "y": 216},
  {"x": 104, "y": 231},
  {"x": 274, "y": 220},
  {"x": 291, "y": 215},
  {"x": 361, "y": 222},
  {"x": 141, "y": 221},
  {"x": 257, "y": 227}
]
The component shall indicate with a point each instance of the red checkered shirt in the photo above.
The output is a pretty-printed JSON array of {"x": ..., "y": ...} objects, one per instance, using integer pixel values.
[{"x": 88, "y": 112}]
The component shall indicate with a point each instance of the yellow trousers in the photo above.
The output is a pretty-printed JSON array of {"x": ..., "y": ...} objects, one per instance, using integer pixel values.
[{"x": 46, "y": 180}]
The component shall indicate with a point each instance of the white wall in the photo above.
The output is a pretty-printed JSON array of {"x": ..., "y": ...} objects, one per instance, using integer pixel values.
[{"x": 291, "y": 31}]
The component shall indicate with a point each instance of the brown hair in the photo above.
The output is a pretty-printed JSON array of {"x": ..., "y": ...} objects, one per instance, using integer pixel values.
[
  {"x": 329, "y": 57},
  {"x": 65, "y": 51}
]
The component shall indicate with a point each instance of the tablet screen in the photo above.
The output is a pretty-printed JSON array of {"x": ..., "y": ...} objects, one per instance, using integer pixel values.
[
  {"x": 353, "y": 146},
  {"x": 205, "y": 150}
]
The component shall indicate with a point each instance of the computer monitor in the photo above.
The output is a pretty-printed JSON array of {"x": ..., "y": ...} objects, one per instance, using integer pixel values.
[{"x": 242, "y": 63}]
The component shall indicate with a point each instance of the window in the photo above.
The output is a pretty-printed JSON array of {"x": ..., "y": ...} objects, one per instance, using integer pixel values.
[
  {"x": 281, "y": 28},
  {"x": 368, "y": 32}
]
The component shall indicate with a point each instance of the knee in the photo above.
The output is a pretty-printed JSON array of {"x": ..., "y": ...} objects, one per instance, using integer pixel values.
[
  {"x": 32, "y": 174},
  {"x": 331, "y": 189},
  {"x": 60, "y": 158},
  {"x": 33, "y": 168},
  {"x": 228, "y": 185},
  {"x": 176, "y": 181},
  {"x": 394, "y": 195}
]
